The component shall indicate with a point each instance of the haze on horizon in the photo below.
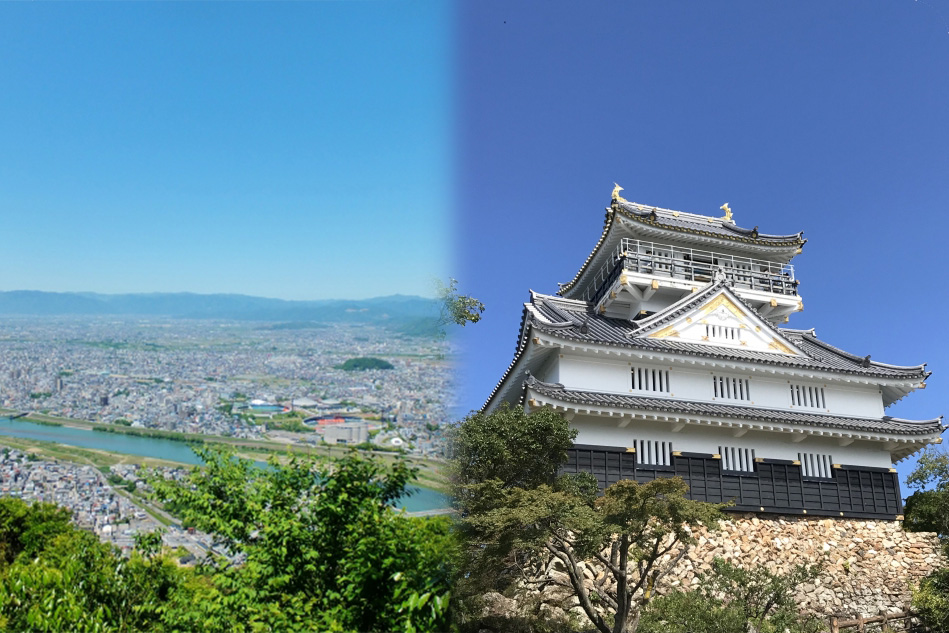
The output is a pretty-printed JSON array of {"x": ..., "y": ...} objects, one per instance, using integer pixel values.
[{"x": 294, "y": 151}]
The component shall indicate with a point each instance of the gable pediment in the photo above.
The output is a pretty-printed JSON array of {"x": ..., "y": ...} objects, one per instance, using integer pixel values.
[{"x": 721, "y": 320}]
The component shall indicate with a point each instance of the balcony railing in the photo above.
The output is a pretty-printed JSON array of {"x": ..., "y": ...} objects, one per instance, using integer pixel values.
[{"x": 688, "y": 264}]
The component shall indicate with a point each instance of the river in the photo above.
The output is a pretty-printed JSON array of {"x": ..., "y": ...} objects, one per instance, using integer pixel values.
[{"x": 423, "y": 499}]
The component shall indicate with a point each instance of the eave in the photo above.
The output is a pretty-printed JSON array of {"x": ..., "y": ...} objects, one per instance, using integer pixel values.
[
  {"x": 715, "y": 359},
  {"x": 899, "y": 445}
]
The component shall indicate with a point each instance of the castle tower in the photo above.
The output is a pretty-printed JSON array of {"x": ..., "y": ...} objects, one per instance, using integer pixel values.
[{"x": 665, "y": 352}]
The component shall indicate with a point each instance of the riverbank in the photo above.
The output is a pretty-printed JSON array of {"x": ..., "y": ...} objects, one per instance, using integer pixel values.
[
  {"x": 85, "y": 456},
  {"x": 432, "y": 474}
]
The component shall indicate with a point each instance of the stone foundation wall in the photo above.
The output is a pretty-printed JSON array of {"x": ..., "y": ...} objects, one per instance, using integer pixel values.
[{"x": 869, "y": 566}]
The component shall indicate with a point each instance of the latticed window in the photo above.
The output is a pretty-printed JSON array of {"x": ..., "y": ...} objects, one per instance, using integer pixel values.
[
  {"x": 808, "y": 396},
  {"x": 731, "y": 388},
  {"x": 650, "y": 379},
  {"x": 653, "y": 452},
  {"x": 816, "y": 465},
  {"x": 740, "y": 459}
]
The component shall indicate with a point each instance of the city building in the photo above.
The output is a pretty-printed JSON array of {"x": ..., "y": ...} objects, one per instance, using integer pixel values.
[
  {"x": 666, "y": 353},
  {"x": 347, "y": 433}
]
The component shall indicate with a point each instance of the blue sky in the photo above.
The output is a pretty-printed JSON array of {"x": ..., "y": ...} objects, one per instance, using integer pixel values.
[
  {"x": 830, "y": 118},
  {"x": 355, "y": 149},
  {"x": 291, "y": 150}
]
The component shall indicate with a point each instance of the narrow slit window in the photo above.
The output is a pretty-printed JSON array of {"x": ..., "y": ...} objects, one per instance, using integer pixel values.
[
  {"x": 816, "y": 465},
  {"x": 808, "y": 396},
  {"x": 650, "y": 379},
  {"x": 654, "y": 452},
  {"x": 737, "y": 459},
  {"x": 731, "y": 388}
]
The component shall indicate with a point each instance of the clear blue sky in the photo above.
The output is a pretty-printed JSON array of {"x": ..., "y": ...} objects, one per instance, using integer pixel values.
[
  {"x": 830, "y": 118},
  {"x": 292, "y": 150},
  {"x": 353, "y": 149}
]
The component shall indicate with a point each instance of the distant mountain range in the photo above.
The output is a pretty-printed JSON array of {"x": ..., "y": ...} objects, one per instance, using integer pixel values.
[{"x": 394, "y": 310}]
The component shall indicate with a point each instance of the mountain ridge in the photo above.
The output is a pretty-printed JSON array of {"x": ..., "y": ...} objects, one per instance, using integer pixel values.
[{"x": 389, "y": 309}]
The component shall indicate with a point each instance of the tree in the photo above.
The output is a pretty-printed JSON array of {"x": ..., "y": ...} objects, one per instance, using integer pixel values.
[
  {"x": 733, "y": 599},
  {"x": 55, "y": 577},
  {"x": 313, "y": 546},
  {"x": 506, "y": 448},
  {"x": 931, "y": 600},
  {"x": 518, "y": 517},
  {"x": 927, "y": 509},
  {"x": 457, "y": 308}
]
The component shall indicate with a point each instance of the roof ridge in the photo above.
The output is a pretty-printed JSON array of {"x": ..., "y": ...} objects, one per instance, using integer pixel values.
[{"x": 860, "y": 359}]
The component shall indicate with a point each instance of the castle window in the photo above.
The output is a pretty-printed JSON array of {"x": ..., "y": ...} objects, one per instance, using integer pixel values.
[
  {"x": 737, "y": 459},
  {"x": 808, "y": 396},
  {"x": 730, "y": 388},
  {"x": 721, "y": 333},
  {"x": 816, "y": 465},
  {"x": 653, "y": 452},
  {"x": 648, "y": 379}
]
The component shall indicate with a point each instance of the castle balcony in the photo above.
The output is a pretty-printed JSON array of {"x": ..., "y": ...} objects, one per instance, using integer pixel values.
[{"x": 675, "y": 270}]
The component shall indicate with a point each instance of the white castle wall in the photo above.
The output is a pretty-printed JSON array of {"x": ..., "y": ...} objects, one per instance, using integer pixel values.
[
  {"x": 613, "y": 376},
  {"x": 606, "y": 432}
]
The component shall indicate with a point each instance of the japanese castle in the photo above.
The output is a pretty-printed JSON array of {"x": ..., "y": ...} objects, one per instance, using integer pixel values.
[{"x": 666, "y": 353}]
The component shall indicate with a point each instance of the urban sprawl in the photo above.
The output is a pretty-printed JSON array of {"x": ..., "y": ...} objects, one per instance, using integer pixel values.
[{"x": 258, "y": 381}]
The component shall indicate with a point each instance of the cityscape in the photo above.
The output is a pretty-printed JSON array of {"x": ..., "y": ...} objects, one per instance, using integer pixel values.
[
  {"x": 228, "y": 378},
  {"x": 270, "y": 383}
]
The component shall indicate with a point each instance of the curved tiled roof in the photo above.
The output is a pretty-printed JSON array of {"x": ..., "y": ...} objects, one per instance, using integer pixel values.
[
  {"x": 564, "y": 318},
  {"x": 685, "y": 223},
  {"x": 886, "y": 424},
  {"x": 704, "y": 225}
]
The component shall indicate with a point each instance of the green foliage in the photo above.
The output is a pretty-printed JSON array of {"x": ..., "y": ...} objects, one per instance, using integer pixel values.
[
  {"x": 517, "y": 514},
  {"x": 456, "y": 308},
  {"x": 24, "y": 529},
  {"x": 122, "y": 422},
  {"x": 931, "y": 600},
  {"x": 927, "y": 509},
  {"x": 321, "y": 546},
  {"x": 733, "y": 599},
  {"x": 40, "y": 395},
  {"x": 364, "y": 363},
  {"x": 504, "y": 449},
  {"x": 55, "y": 577}
]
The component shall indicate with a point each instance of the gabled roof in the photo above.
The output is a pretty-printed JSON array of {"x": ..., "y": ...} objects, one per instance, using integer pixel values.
[
  {"x": 653, "y": 324},
  {"x": 886, "y": 424},
  {"x": 564, "y": 318},
  {"x": 687, "y": 224},
  {"x": 575, "y": 321}
]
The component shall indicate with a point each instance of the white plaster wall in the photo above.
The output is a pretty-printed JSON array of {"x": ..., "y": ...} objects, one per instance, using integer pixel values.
[
  {"x": 587, "y": 373},
  {"x": 692, "y": 438},
  {"x": 550, "y": 370}
]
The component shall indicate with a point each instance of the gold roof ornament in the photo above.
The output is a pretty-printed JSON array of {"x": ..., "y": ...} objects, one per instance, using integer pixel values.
[
  {"x": 616, "y": 196},
  {"x": 728, "y": 212}
]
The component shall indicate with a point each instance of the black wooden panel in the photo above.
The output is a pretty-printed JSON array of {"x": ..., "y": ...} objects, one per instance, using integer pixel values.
[{"x": 777, "y": 486}]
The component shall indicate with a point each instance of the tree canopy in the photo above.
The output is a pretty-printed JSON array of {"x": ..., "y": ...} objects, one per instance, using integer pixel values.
[
  {"x": 927, "y": 510},
  {"x": 301, "y": 546},
  {"x": 319, "y": 544},
  {"x": 363, "y": 363},
  {"x": 457, "y": 308},
  {"x": 525, "y": 525}
]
